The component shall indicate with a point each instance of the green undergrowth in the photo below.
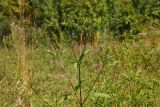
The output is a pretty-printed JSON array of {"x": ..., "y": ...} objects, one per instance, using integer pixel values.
[{"x": 130, "y": 78}]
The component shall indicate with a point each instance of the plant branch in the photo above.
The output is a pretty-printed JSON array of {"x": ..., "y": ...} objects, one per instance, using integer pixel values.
[
  {"x": 93, "y": 84},
  {"x": 30, "y": 87}
]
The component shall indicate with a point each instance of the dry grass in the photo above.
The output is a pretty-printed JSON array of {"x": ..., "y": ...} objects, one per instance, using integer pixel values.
[{"x": 19, "y": 43}]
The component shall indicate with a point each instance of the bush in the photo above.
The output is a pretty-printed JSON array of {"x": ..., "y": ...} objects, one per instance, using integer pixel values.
[{"x": 4, "y": 26}]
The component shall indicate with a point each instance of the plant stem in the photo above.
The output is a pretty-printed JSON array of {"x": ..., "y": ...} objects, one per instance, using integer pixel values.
[
  {"x": 80, "y": 86},
  {"x": 71, "y": 84}
]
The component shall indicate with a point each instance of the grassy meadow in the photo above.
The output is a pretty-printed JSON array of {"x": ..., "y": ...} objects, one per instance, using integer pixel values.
[{"x": 113, "y": 74}]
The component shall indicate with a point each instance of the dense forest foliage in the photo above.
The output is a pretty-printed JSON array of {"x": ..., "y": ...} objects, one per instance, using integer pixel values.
[{"x": 81, "y": 20}]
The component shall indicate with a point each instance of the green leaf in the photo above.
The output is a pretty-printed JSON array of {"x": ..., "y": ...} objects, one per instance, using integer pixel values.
[
  {"x": 102, "y": 95},
  {"x": 75, "y": 66},
  {"x": 67, "y": 96},
  {"x": 64, "y": 51},
  {"x": 156, "y": 81},
  {"x": 52, "y": 53},
  {"x": 86, "y": 52}
]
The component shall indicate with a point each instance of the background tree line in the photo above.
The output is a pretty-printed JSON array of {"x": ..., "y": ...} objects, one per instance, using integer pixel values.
[{"x": 81, "y": 20}]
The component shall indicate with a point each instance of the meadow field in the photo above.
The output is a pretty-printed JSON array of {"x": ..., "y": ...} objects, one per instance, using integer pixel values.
[{"x": 113, "y": 74}]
